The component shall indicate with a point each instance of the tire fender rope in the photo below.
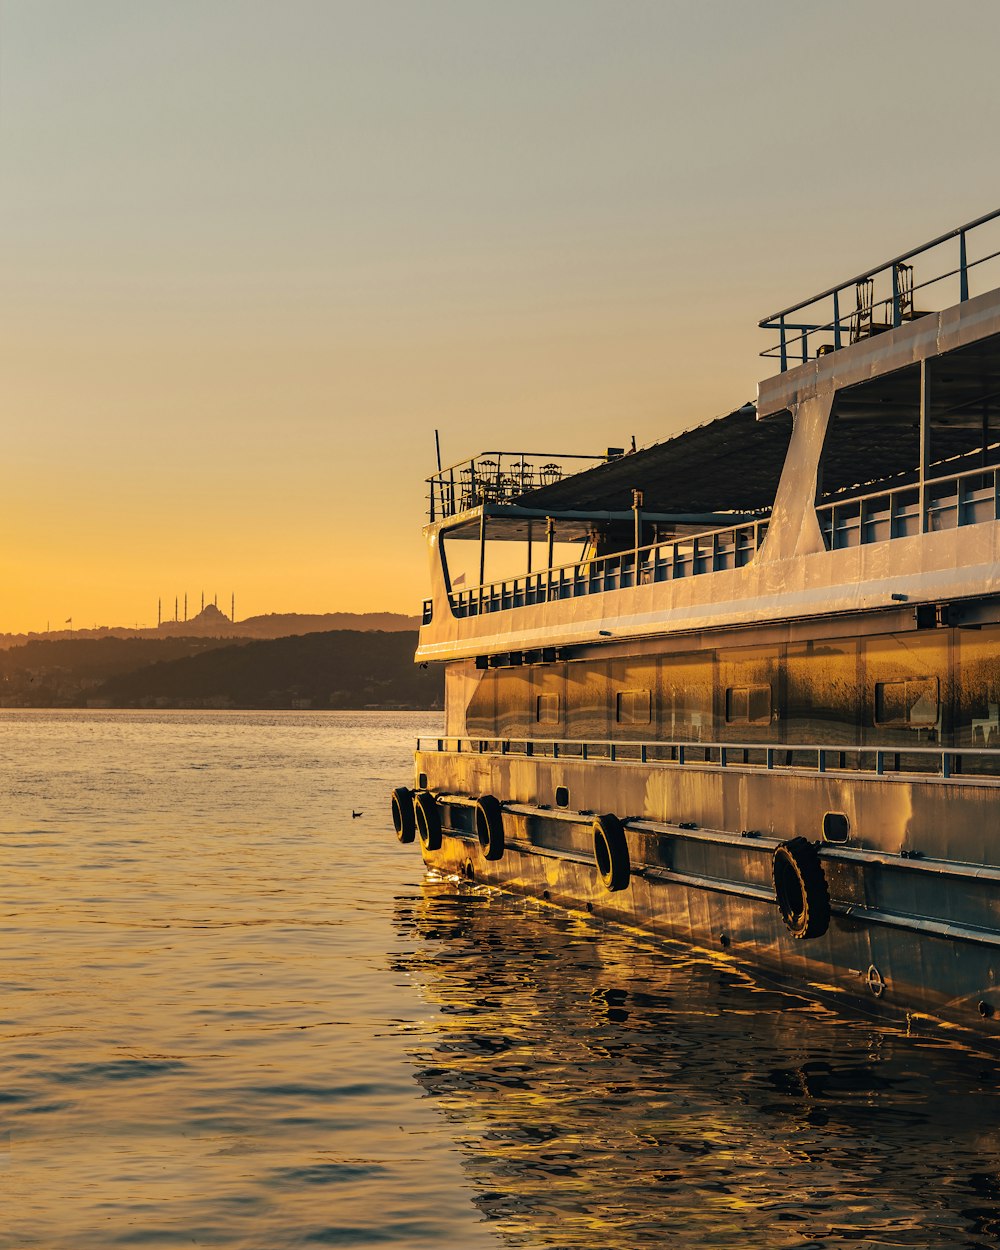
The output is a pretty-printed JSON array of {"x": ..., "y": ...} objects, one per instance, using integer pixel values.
[
  {"x": 428, "y": 819},
  {"x": 611, "y": 852},
  {"x": 403, "y": 818},
  {"x": 489, "y": 826},
  {"x": 800, "y": 888}
]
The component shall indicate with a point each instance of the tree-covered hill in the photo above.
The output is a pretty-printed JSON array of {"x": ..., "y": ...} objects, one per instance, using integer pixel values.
[
  {"x": 66, "y": 672},
  {"x": 339, "y": 669}
]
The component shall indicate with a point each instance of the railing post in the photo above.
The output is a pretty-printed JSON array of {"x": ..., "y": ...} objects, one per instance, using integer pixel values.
[
  {"x": 637, "y": 519},
  {"x": 784, "y": 346},
  {"x": 642, "y": 754},
  {"x": 879, "y": 764},
  {"x": 769, "y": 758},
  {"x": 925, "y": 440},
  {"x": 945, "y": 764},
  {"x": 837, "y": 342},
  {"x": 897, "y": 312},
  {"x": 963, "y": 269},
  {"x": 820, "y": 760},
  {"x": 722, "y": 757},
  {"x": 680, "y": 753}
]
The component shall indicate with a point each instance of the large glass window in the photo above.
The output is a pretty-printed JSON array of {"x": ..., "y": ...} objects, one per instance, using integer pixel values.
[
  {"x": 915, "y": 702},
  {"x": 634, "y": 707},
  {"x": 907, "y": 688},
  {"x": 748, "y": 705}
]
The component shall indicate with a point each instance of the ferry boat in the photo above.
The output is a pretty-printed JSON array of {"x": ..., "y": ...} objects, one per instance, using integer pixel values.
[{"x": 741, "y": 688}]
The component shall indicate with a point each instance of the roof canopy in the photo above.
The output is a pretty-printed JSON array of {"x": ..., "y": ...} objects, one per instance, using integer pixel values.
[{"x": 730, "y": 465}]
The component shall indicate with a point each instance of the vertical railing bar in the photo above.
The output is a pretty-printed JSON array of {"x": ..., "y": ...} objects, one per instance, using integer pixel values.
[
  {"x": 837, "y": 341},
  {"x": 963, "y": 269}
]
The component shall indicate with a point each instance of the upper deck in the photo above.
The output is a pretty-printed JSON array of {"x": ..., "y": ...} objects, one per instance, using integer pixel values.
[{"x": 864, "y": 477}]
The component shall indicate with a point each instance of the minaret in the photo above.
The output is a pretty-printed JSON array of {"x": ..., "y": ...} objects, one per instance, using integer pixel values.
[
  {"x": 232, "y": 607},
  {"x": 185, "y": 605},
  {"x": 203, "y": 601},
  {"x": 159, "y": 613}
]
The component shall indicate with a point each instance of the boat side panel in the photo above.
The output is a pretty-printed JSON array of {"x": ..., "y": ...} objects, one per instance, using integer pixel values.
[{"x": 713, "y": 891}]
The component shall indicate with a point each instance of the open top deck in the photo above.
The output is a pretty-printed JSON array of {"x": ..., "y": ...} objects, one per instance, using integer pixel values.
[{"x": 887, "y": 295}]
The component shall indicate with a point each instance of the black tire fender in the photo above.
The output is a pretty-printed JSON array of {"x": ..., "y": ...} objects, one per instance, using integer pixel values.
[
  {"x": 428, "y": 820},
  {"x": 404, "y": 820},
  {"x": 489, "y": 826},
  {"x": 800, "y": 888},
  {"x": 611, "y": 852}
]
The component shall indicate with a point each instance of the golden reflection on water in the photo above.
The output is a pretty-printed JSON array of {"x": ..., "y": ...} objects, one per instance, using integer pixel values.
[
  {"x": 611, "y": 1093},
  {"x": 201, "y": 1042}
]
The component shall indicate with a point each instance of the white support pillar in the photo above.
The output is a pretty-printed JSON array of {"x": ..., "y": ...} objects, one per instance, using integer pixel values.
[{"x": 925, "y": 439}]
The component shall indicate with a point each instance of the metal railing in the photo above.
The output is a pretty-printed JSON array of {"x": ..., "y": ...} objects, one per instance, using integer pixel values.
[
  {"x": 668, "y": 560},
  {"x": 876, "y": 761},
  {"x": 872, "y": 316},
  {"x": 967, "y": 498},
  {"x": 502, "y": 477}
]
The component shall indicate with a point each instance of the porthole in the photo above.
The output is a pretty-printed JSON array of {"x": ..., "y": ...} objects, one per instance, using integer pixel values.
[
  {"x": 836, "y": 827},
  {"x": 562, "y": 796}
]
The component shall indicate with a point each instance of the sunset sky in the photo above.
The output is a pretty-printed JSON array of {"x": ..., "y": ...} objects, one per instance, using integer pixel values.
[{"x": 252, "y": 254}]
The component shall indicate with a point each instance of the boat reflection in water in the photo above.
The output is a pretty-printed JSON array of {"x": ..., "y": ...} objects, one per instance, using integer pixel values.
[{"x": 608, "y": 1092}]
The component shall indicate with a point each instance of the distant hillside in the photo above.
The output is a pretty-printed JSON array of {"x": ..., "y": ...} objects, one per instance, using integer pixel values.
[
  {"x": 337, "y": 669},
  {"x": 65, "y": 673},
  {"x": 282, "y": 624},
  {"x": 213, "y": 623}
]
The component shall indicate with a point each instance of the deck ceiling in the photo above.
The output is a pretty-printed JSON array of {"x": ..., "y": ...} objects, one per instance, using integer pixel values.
[{"x": 875, "y": 428}]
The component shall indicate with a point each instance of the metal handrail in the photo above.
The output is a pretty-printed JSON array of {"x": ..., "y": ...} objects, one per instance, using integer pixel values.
[
  {"x": 463, "y": 485},
  {"x": 528, "y": 455},
  {"x": 779, "y": 321},
  {"x": 855, "y": 505},
  {"x": 682, "y": 753},
  {"x": 589, "y": 576},
  {"x": 660, "y": 561}
]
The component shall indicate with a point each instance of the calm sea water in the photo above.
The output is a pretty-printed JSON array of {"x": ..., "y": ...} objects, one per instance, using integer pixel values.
[{"x": 233, "y": 1015}]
